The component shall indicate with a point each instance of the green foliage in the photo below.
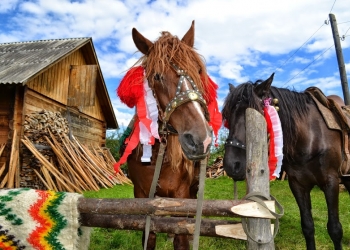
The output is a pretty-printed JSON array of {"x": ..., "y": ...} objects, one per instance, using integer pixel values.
[
  {"x": 289, "y": 237},
  {"x": 217, "y": 152},
  {"x": 114, "y": 141}
]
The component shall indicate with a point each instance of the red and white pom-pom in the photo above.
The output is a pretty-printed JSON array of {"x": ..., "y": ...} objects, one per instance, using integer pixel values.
[
  {"x": 277, "y": 136},
  {"x": 149, "y": 123}
]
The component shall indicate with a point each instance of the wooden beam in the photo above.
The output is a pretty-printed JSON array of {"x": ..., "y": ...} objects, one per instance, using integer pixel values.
[
  {"x": 257, "y": 178},
  {"x": 176, "y": 225},
  {"x": 168, "y": 206}
]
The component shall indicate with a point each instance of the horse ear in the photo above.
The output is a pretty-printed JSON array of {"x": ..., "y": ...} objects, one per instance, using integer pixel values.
[
  {"x": 231, "y": 87},
  {"x": 141, "y": 42},
  {"x": 189, "y": 36},
  {"x": 263, "y": 89}
]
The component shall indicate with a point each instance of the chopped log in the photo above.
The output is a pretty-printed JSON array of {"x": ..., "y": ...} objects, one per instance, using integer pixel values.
[
  {"x": 63, "y": 159},
  {"x": 2, "y": 147},
  {"x": 81, "y": 165},
  {"x": 59, "y": 177},
  {"x": 11, "y": 182},
  {"x": 2, "y": 168},
  {"x": 4, "y": 181}
]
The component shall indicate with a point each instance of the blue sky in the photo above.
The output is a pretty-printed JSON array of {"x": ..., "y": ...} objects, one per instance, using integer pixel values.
[{"x": 241, "y": 40}]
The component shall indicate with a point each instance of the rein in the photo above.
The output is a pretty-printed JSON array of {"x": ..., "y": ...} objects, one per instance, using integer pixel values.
[{"x": 181, "y": 97}]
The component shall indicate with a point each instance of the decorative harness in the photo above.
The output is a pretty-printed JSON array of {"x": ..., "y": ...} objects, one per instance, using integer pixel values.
[{"x": 181, "y": 97}]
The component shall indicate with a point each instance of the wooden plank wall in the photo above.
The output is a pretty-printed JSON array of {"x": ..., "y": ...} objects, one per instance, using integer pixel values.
[
  {"x": 85, "y": 128},
  {"x": 54, "y": 84},
  {"x": 50, "y": 91}
]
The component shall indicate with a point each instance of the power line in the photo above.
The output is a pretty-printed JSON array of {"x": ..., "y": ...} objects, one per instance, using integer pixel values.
[
  {"x": 285, "y": 62},
  {"x": 332, "y": 6},
  {"x": 346, "y": 32},
  {"x": 309, "y": 64},
  {"x": 326, "y": 22}
]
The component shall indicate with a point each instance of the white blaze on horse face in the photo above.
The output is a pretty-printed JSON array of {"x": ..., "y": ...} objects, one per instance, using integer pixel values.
[
  {"x": 199, "y": 109},
  {"x": 206, "y": 143}
]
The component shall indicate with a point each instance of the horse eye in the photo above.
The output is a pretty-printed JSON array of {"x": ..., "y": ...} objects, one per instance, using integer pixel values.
[{"x": 157, "y": 77}]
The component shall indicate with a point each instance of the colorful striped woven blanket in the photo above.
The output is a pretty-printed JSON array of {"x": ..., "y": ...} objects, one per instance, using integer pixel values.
[{"x": 41, "y": 220}]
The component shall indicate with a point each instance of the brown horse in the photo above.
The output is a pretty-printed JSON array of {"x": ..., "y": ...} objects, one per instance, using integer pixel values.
[
  {"x": 177, "y": 76},
  {"x": 312, "y": 152}
]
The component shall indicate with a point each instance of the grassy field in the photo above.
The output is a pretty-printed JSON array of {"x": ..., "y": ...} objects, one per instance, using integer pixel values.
[{"x": 289, "y": 236}]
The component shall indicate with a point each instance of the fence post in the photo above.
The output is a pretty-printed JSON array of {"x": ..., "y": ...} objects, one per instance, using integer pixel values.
[{"x": 257, "y": 177}]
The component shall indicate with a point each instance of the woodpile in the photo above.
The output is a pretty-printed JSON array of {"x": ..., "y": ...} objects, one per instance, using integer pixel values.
[
  {"x": 51, "y": 159},
  {"x": 217, "y": 169}
]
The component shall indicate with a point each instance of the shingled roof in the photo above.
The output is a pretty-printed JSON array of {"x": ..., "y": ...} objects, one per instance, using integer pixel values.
[
  {"x": 20, "y": 61},
  {"x": 23, "y": 61}
]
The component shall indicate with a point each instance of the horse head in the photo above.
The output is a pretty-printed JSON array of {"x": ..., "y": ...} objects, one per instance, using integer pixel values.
[
  {"x": 177, "y": 77},
  {"x": 246, "y": 95}
]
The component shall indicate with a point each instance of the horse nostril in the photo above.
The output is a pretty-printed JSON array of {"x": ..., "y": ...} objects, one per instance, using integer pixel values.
[
  {"x": 189, "y": 140},
  {"x": 236, "y": 166}
]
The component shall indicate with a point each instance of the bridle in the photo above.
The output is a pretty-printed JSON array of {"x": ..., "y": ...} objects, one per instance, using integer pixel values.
[
  {"x": 234, "y": 142},
  {"x": 181, "y": 97}
]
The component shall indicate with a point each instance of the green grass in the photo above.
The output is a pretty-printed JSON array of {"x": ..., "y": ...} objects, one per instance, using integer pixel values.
[{"x": 289, "y": 236}]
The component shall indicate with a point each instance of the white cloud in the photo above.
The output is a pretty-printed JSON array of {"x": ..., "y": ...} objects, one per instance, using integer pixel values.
[
  {"x": 7, "y": 5},
  {"x": 240, "y": 40}
]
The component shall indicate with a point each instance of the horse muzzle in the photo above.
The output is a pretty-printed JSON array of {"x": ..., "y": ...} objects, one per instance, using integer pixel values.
[
  {"x": 193, "y": 149},
  {"x": 235, "y": 169}
]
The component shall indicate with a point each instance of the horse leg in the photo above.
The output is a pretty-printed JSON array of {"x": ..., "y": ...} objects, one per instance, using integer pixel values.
[
  {"x": 334, "y": 226},
  {"x": 346, "y": 182},
  {"x": 303, "y": 199},
  {"x": 151, "y": 243},
  {"x": 181, "y": 242},
  {"x": 152, "y": 237}
]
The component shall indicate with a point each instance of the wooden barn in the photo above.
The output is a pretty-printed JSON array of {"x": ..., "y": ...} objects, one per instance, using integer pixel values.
[{"x": 56, "y": 83}]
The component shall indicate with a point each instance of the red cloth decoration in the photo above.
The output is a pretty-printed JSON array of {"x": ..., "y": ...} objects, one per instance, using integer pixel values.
[
  {"x": 131, "y": 92},
  {"x": 131, "y": 143},
  {"x": 272, "y": 156},
  {"x": 210, "y": 96},
  {"x": 130, "y": 89},
  {"x": 210, "y": 93},
  {"x": 215, "y": 119}
]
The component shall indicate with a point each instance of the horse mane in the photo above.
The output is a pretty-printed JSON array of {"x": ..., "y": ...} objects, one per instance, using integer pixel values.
[
  {"x": 293, "y": 108},
  {"x": 176, "y": 156},
  {"x": 169, "y": 48}
]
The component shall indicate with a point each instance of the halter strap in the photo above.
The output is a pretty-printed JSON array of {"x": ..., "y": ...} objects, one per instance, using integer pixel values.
[
  {"x": 234, "y": 142},
  {"x": 182, "y": 97}
]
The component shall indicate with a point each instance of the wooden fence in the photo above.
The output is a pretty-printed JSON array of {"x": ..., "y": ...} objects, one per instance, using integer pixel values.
[{"x": 130, "y": 214}]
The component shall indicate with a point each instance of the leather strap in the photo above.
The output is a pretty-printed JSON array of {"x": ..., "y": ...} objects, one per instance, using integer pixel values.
[{"x": 153, "y": 188}]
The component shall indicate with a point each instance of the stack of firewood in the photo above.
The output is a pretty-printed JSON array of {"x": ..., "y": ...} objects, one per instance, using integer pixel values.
[
  {"x": 52, "y": 160},
  {"x": 217, "y": 169}
]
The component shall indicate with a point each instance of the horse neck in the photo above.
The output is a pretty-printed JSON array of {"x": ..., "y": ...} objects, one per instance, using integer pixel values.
[{"x": 293, "y": 113}]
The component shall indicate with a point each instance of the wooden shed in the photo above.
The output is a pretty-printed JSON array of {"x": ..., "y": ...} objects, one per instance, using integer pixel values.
[{"x": 62, "y": 76}]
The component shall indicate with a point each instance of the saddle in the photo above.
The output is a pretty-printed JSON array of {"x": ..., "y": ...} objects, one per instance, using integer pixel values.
[{"x": 337, "y": 117}]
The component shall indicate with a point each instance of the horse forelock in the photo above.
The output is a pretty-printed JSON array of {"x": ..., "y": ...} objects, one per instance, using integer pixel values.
[
  {"x": 169, "y": 48},
  {"x": 242, "y": 94}
]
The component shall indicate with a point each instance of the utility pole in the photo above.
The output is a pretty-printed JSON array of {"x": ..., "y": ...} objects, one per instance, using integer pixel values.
[{"x": 338, "y": 50}]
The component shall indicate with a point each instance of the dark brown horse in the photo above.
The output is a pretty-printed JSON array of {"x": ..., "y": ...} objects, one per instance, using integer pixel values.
[
  {"x": 312, "y": 152},
  {"x": 177, "y": 76}
]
